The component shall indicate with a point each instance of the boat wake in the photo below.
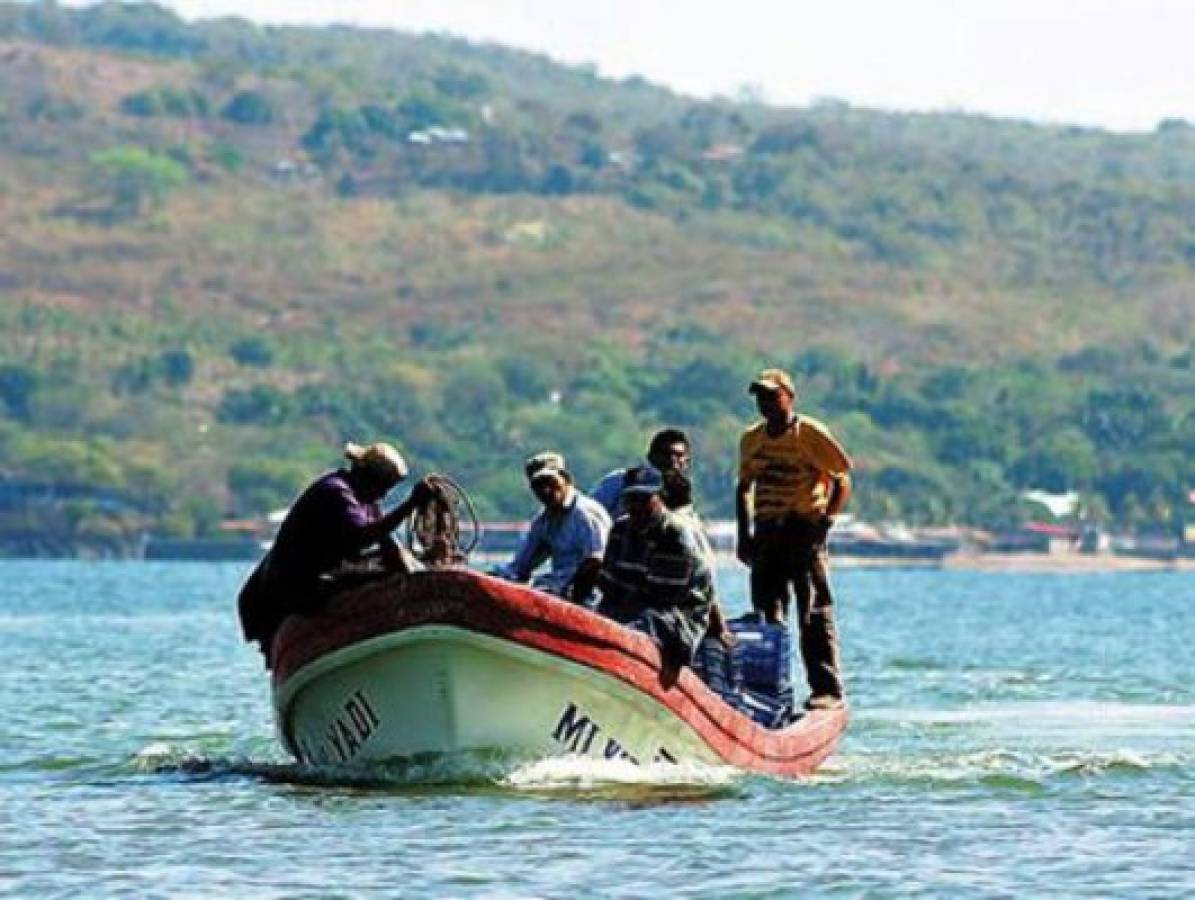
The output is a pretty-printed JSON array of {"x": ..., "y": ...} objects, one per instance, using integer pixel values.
[
  {"x": 624, "y": 780},
  {"x": 1003, "y": 768},
  {"x": 564, "y": 776},
  {"x": 1021, "y": 746}
]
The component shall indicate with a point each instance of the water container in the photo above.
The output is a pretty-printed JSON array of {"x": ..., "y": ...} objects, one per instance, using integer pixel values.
[
  {"x": 764, "y": 709},
  {"x": 764, "y": 654},
  {"x": 718, "y": 667}
]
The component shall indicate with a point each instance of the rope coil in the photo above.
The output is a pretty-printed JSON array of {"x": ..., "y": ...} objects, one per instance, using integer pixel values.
[{"x": 436, "y": 525}]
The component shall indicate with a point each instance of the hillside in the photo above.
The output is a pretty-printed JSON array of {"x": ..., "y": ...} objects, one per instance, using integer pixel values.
[{"x": 227, "y": 248}]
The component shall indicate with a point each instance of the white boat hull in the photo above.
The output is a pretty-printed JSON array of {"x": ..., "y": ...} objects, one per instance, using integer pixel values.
[
  {"x": 450, "y": 662},
  {"x": 438, "y": 689}
]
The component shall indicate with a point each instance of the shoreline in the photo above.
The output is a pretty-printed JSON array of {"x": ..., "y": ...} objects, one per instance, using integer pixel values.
[
  {"x": 963, "y": 560},
  {"x": 1017, "y": 563},
  {"x": 1064, "y": 563}
]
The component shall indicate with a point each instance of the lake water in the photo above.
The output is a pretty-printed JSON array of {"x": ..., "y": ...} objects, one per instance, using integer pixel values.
[{"x": 1012, "y": 735}]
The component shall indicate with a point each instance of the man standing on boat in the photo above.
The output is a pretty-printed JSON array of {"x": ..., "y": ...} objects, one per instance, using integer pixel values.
[
  {"x": 794, "y": 477},
  {"x": 334, "y": 521},
  {"x": 570, "y": 531},
  {"x": 655, "y": 576}
]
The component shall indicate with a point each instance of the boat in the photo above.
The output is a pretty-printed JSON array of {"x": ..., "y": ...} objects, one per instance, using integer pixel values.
[{"x": 453, "y": 661}]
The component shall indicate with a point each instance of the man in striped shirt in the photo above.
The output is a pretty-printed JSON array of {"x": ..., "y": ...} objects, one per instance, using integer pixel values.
[
  {"x": 670, "y": 452},
  {"x": 793, "y": 478},
  {"x": 655, "y": 577}
]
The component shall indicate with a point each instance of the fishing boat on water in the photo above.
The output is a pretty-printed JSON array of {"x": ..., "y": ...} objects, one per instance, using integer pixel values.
[{"x": 450, "y": 661}]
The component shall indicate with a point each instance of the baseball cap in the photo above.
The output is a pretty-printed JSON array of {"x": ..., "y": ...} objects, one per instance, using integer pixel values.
[
  {"x": 379, "y": 459},
  {"x": 773, "y": 380},
  {"x": 546, "y": 463},
  {"x": 643, "y": 480}
]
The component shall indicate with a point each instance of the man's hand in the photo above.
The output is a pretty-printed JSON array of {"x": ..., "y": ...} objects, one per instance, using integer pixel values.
[
  {"x": 423, "y": 492},
  {"x": 745, "y": 550},
  {"x": 584, "y": 581}
]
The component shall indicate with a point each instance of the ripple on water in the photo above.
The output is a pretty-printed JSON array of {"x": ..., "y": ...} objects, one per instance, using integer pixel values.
[
  {"x": 1003, "y": 769},
  {"x": 1010, "y": 738}
]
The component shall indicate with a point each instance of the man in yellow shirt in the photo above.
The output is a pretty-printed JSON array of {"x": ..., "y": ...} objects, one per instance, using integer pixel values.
[{"x": 793, "y": 478}]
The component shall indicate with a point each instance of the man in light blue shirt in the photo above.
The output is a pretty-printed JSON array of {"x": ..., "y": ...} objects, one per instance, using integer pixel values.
[
  {"x": 570, "y": 531},
  {"x": 668, "y": 452}
]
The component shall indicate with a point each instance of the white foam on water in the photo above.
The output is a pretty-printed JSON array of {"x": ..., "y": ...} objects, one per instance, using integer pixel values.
[
  {"x": 162, "y": 755},
  {"x": 568, "y": 777},
  {"x": 581, "y": 773}
]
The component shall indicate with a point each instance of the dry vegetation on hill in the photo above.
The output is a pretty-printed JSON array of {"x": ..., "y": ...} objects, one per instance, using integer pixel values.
[{"x": 227, "y": 248}]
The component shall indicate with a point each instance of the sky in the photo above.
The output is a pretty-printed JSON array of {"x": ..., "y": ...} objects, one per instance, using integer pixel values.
[{"x": 1118, "y": 64}]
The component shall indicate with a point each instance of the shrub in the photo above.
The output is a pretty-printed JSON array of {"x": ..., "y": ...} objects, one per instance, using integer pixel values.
[
  {"x": 17, "y": 385},
  {"x": 258, "y": 405},
  {"x": 252, "y": 351},
  {"x": 249, "y": 108},
  {"x": 177, "y": 366},
  {"x": 166, "y": 101}
]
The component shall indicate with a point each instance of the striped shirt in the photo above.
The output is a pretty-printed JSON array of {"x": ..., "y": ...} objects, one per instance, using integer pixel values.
[
  {"x": 661, "y": 566},
  {"x": 791, "y": 473}
]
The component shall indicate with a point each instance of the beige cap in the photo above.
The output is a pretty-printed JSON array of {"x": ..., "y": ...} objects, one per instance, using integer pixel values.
[
  {"x": 379, "y": 459},
  {"x": 545, "y": 463},
  {"x": 773, "y": 380}
]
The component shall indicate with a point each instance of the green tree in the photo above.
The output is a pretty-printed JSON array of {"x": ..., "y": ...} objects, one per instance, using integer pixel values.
[
  {"x": 252, "y": 351},
  {"x": 177, "y": 366},
  {"x": 462, "y": 84},
  {"x": 227, "y": 156},
  {"x": 258, "y": 405},
  {"x": 1124, "y": 418},
  {"x": 166, "y": 101},
  {"x": 1060, "y": 461},
  {"x": 134, "y": 179},
  {"x": 17, "y": 384},
  {"x": 249, "y": 108}
]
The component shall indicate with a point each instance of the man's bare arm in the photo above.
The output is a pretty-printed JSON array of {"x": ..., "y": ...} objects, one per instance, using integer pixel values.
[
  {"x": 376, "y": 531},
  {"x": 840, "y": 493},
  {"x": 742, "y": 513}
]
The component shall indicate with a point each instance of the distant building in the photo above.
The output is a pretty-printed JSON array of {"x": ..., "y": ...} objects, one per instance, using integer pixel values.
[
  {"x": 1147, "y": 546},
  {"x": 1036, "y": 537},
  {"x": 620, "y": 159},
  {"x": 438, "y": 134},
  {"x": 1059, "y": 505},
  {"x": 723, "y": 153}
]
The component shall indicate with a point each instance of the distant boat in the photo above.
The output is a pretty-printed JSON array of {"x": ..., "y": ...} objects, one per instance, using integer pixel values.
[{"x": 452, "y": 661}]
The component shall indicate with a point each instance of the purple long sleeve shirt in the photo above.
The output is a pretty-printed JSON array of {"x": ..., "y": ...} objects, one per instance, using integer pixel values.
[{"x": 327, "y": 525}]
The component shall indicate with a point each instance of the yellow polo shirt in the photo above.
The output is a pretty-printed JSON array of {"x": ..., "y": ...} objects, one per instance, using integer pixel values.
[{"x": 791, "y": 473}]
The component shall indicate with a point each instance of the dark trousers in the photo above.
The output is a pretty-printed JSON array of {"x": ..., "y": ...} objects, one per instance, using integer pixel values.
[{"x": 793, "y": 553}]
